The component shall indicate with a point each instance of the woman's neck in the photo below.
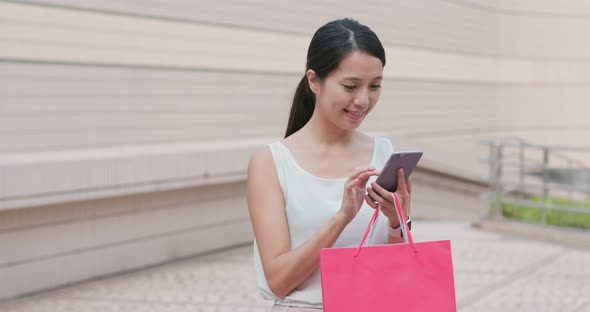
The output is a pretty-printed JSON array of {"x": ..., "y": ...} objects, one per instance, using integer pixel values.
[{"x": 323, "y": 132}]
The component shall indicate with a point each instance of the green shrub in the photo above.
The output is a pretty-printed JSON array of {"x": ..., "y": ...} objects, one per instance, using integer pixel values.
[{"x": 553, "y": 217}]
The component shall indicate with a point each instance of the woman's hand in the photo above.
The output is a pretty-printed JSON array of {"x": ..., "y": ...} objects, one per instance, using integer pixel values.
[
  {"x": 354, "y": 192},
  {"x": 385, "y": 198}
]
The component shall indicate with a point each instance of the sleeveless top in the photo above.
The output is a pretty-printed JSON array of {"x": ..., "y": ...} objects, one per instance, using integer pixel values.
[{"x": 310, "y": 202}]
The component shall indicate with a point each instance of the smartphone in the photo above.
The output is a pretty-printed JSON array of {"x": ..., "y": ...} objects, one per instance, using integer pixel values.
[{"x": 387, "y": 179}]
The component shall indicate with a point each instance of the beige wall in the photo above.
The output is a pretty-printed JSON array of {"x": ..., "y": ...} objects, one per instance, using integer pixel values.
[
  {"x": 43, "y": 247},
  {"x": 119, "y": 73},
  {"x": 107, "y": 104}
]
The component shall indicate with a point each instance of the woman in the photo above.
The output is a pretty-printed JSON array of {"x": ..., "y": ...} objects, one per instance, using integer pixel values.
[{"x": 307, "y": 191}]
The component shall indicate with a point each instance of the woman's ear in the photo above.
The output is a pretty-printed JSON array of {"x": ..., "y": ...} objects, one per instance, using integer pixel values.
[{"x": 312, "y": 81}]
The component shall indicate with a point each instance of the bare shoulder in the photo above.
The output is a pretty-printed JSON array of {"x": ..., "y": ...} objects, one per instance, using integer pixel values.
[
  {"x": 261, "y": 154},
  {"x": 261, "y": 162},
  {"x": 262, "y": 175}
]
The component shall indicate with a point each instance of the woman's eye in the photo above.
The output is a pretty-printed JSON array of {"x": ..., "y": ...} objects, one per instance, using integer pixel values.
[{"x": 349, "y": 87}]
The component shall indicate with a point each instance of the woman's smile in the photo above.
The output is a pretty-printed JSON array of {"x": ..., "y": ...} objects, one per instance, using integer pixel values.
[{"x": 354, "y": 115}]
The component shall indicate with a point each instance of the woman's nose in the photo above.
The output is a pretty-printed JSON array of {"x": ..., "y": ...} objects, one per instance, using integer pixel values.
[{"x": 362, "y": 98}]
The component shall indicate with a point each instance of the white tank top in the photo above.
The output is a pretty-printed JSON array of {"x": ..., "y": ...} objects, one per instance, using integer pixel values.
[{"x": 310, "y": 202}]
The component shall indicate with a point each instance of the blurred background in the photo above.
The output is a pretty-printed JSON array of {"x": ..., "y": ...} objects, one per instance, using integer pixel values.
[{"x": 126, "y": 128}]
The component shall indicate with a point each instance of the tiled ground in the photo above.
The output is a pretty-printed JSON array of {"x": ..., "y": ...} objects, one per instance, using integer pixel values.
[{"x": 492, "y": 273}]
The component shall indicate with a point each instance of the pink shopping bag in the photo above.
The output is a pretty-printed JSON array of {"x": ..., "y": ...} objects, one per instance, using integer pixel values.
[{"x": 399, "y": 277}]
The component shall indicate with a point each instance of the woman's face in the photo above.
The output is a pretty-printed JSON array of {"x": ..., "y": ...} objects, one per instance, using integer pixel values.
[{"x": 351, "y": 91}]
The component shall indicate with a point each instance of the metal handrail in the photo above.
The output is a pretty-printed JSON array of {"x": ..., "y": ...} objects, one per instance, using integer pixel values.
[
  {"x": 503, "y": 164},
  {"x": 525, "y": 143},
  {"x": 529, "y": 187}
]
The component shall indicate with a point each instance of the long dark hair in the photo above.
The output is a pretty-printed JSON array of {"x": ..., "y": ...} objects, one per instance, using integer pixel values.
[{"x": 329, "y": 45}]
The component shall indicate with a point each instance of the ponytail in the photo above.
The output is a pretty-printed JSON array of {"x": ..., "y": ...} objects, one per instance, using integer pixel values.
[{"x": 302, "y": 107}]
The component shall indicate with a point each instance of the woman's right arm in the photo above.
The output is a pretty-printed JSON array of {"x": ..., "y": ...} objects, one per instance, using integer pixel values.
[{"x": 284, "y": 268}]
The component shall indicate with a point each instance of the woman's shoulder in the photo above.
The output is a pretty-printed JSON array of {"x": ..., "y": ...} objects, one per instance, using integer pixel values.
[
  {"x": 264, "y": 154},
  {"x": 381, "y": 141},
  {"x": 386, "y": 141},
  {"x": 267, "y": 153},
  {"x": 383, "y": 146},
  {"x": 261, "y": 160},
  {"x": 261, "y": 155},
  {"x": 267, "y": 157}
]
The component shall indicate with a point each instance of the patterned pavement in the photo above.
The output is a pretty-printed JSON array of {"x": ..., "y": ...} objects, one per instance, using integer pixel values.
[{"x": 493, "y": 273}]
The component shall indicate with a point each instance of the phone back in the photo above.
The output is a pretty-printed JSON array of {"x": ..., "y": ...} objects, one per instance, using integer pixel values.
[{"x": 406, "y": 160}]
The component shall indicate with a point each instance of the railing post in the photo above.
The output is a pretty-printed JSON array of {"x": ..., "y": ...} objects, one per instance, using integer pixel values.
[
  {"x": 492, "y": 162},
  {"x": 571, "y": 182},
  {"x": 499, "y": 171},
  {"x": 521, "y": 167},
  {"x": 545, "y": 188},
  {"x": 498, "y": 194}
]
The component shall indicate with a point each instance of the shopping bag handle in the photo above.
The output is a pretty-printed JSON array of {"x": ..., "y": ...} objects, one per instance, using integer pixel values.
[{"x": 401, "y": 216}]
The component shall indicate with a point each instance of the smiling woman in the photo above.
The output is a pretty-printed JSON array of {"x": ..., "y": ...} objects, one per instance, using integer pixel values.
[{"x": 307, "y": 192}]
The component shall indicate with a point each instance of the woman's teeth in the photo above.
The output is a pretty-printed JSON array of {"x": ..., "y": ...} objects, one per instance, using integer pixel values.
[{"x": 354, "y": 113}]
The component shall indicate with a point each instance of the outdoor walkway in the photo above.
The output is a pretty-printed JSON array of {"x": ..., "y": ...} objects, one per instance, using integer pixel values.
[{"x": 493, "y": 273}]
